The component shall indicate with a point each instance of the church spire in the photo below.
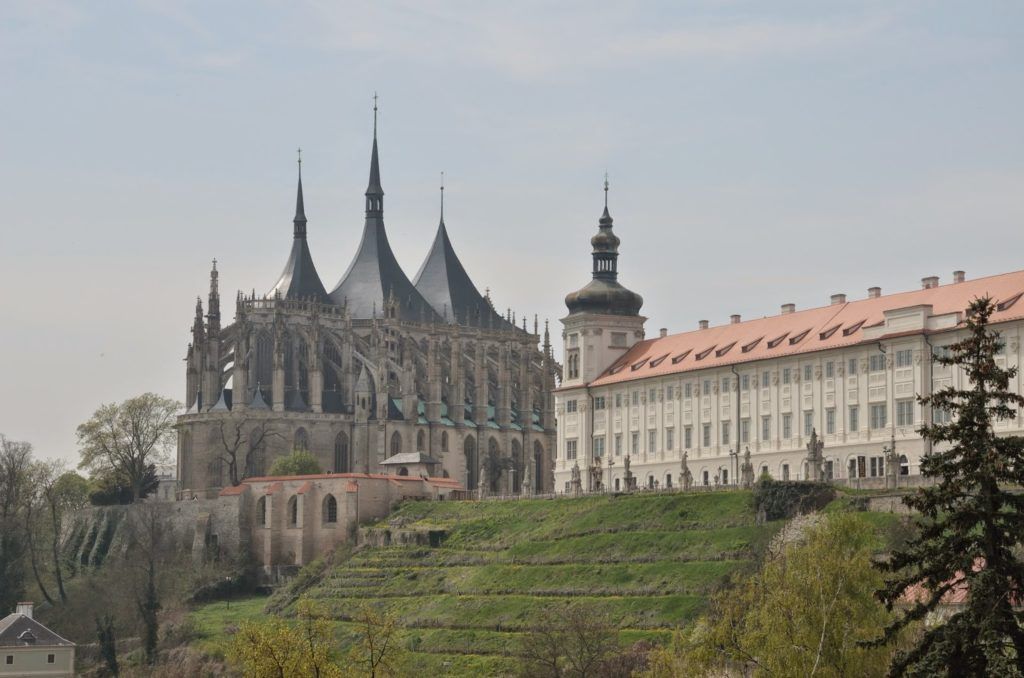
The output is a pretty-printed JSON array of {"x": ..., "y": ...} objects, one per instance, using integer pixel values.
[
  {"x": 442, "y": 197},
  {"x": 300, "y": 208},
  {"x": 374, "y": 192},
  {"x": 213, "y": 302}
]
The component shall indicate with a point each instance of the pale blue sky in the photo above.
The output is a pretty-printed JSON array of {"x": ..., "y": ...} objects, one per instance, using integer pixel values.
[{"x": 759, "y": 153}]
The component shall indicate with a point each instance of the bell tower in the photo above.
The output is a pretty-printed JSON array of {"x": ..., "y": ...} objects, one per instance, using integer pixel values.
[{"x": 604, "y": 318}]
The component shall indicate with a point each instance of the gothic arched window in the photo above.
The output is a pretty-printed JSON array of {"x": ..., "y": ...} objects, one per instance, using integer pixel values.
[
  {"x": 396, "y": 442},
  {"x": 444, "y": 441},
  {"x": 301, "y": 440},
  {"x": 261, "y": 512},
  {"x": 420, "y": 441},
  {"x": 293, "y": 511},
  {"x": 329, "y": 510},
  {"x": 341, "y": 458}
]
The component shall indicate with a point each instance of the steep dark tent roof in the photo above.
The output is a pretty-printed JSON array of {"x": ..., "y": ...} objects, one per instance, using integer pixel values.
[
  {"x": 443, "y": 281},
  {"x": 14, "y": 626},
  {"x": 299, "y": 280},
  {"x": 374, "y": 274}
]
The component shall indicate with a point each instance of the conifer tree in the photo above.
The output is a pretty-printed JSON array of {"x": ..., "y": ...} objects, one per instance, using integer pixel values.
[{"x": 970, "y": 524}]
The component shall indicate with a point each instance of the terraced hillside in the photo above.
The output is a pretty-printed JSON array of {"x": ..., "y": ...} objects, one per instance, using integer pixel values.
[{"x": 646, "y": 560}]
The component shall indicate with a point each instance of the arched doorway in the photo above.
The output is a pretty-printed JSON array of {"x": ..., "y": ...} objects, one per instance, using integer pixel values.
[
  {"x": 472, "y": 463},
  {"x": 342, "y": 462}
]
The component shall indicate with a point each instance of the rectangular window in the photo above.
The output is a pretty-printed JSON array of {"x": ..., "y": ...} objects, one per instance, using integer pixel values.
[
  {"x": 745, "y": 382},
  {"x": 787, "y": 426},
  {"x": 851, "y": 369},
  {"x": 50, "y": 659},
  {"x": 10, "y": 659},
  {"x": 634, "y": 443},
  {"x": 905, "y": 412},
  {"x": 574, "y": 340},
  {"x": 670, "y": 435},
  {"x": 904, "y": 358},
  {"x": 878, "y": 416},
  {"x": 598, "y": 447},
  {"x": 726, "y": 428},
  {"x": 830, "y": 369},
  {"x": 707, "y": 387},
  {"x": 668, "y": 393},
  {"x": 744, "y": 430},
  {"x": 570, "y": 405},
  {"x": 766, "y": 379},
  {"x": 876, "y": 363},
  {"x": 854, "y": 424},
  {"x": 726, "y": 383},
  {"x": 688, "y": 437},
  {"x": 707, "y": 435},
  {"x": 652, "y": 441},
  {"x": 808, "y": 372},
  {"x": 785, "y": 375},
  {"x": 636, "y": 398},
  {"x": 618, "y": 444},
  {"x": 570, "y": 449},
  {"x": 652, "y": 396},
  {"x": 940, "y": 416},
  {"x": 618, "y": 400},
  {"x": 598, "y": 402},
  {"x": 830, "y": 420},
  {"x": 618, "y": 339},
  {"x": 766, "y": 429},
  {"x": 785, "y": 471},
  {"x": 808, "y": 422},
  {"x": 688, "y": 390}
]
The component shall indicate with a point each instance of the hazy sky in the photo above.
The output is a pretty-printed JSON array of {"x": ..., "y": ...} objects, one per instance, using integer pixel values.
[{"x": 759, "y": 153}]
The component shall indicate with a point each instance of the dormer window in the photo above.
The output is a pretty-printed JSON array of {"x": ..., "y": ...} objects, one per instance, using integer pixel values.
[
  {"x": 798, "y": 338},
  {"x": 681, "y": 357},
  {"x": 658, "y": 361},
  {"x": 638, "y": 364},
  {"x": 829, "y": 332},
  {"x": 777, "y": 340},
  {"x": 747, "y": 348},
  {"x": 725, "y": 349},
  {"x": 705, "y": 353},
  {"x": 847, "y": 331},
  {"x": 1007, "y": 303}
]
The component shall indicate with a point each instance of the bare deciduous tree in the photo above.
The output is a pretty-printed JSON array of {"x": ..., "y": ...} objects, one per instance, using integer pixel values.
[{"x": 236, "y": 436}]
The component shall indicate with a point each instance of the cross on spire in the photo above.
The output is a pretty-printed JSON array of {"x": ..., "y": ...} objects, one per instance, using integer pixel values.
[
  {"x": 606, "y": 190},
  {"x": 299, "y": 151},
  {"x": 375, "y": 114},
  {"x": 442, "y": 196}
]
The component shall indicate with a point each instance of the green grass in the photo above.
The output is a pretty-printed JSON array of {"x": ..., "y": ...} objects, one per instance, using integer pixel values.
[{"x": 214, "y": 622}]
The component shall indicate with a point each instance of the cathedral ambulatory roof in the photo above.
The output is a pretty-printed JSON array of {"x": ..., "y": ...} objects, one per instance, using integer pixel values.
[
  {"x": 374, "y": 277},
  {"x": 443, "y": 281},
  {"x": 299, "y": 280}
]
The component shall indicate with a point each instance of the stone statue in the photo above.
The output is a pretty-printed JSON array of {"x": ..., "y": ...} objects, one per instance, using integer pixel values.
[
  {"x": 484, "y": 483},
  {"x": 526, "y": 488},
  {"x": 747, "y": 470},
  {"x": 595, "y": 476},
  {"x": 892, "y": 465},
  {"x": 575, "y": 482},
  {"x": 630, "y": 482},
  {"x": 685, "y": 477},
  {"x": 815, "y": 459}
]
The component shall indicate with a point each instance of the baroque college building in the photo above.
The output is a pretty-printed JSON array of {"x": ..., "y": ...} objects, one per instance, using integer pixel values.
[
  {"x": 382, "y": 374},
  {"x": 824, "y": 393}
]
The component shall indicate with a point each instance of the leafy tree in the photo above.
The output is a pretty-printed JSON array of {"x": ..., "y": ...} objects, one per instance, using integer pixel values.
[
  {"x": 274, "y": 648},
  {"x": 298, "y": 463},
  {"x": 577, "y": 641},
  {"x": 15, "y": 466},
  {"x": 969, "y": 525},
  {"x": 125, "y": 440},
  {"x": 800, "y": 615},
  {"x": 110, "y": 489}
]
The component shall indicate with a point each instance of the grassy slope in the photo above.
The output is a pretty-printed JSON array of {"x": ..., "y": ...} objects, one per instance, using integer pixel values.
[{"x": 647, "y": 560}]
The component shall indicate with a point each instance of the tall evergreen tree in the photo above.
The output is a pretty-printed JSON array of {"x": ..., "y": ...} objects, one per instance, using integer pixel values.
[{"x": 970, "y": 522}]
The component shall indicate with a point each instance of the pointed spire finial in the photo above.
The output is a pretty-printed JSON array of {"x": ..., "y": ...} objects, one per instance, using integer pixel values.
[
  {"x": 442, "y": 196},
  {"x": 606, "y": 190},
  {"x": 375, "y": 114},
  {"x": 299, "y": 222}
]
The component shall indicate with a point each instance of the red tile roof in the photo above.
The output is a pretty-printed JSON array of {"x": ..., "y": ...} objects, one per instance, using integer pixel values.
[
  {"x": 231, "y": 491},
  {"x": 816, "y": 329}
]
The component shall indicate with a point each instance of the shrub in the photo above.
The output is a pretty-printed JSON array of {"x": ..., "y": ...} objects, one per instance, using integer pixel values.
[{"x": 778, "y": 499}]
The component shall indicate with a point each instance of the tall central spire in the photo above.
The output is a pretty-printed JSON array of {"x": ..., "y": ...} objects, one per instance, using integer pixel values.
[
  {"x": 300, "y": 207},
  {"x": 374, "y": 192}
]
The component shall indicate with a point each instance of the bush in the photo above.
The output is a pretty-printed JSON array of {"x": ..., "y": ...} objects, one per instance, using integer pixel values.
[
  {"x": 778, "y": 499},
  {"x": 298, "y": 463}
]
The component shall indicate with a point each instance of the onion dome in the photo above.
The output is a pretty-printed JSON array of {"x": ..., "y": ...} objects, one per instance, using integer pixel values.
[{"x": 604, "y": 295}]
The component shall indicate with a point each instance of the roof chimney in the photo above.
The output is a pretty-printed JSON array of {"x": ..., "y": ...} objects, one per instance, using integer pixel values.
[
  {"x": 25, "y": 609},
  {"x": 703, "y": 324},
  {"x": 838, "y": 299},
  {"x": 788, "y": 308},
  {"x": 929, "y": 282},
  {"x": 734, "y": 318},
  {"x": 874, "y": 292},
  {"x": 663, "y": 332},
  {"x": 959, "y": 276}
]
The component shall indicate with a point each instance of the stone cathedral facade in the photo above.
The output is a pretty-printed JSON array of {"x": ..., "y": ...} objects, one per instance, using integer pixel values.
[{"x": 382, "y": 374}]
